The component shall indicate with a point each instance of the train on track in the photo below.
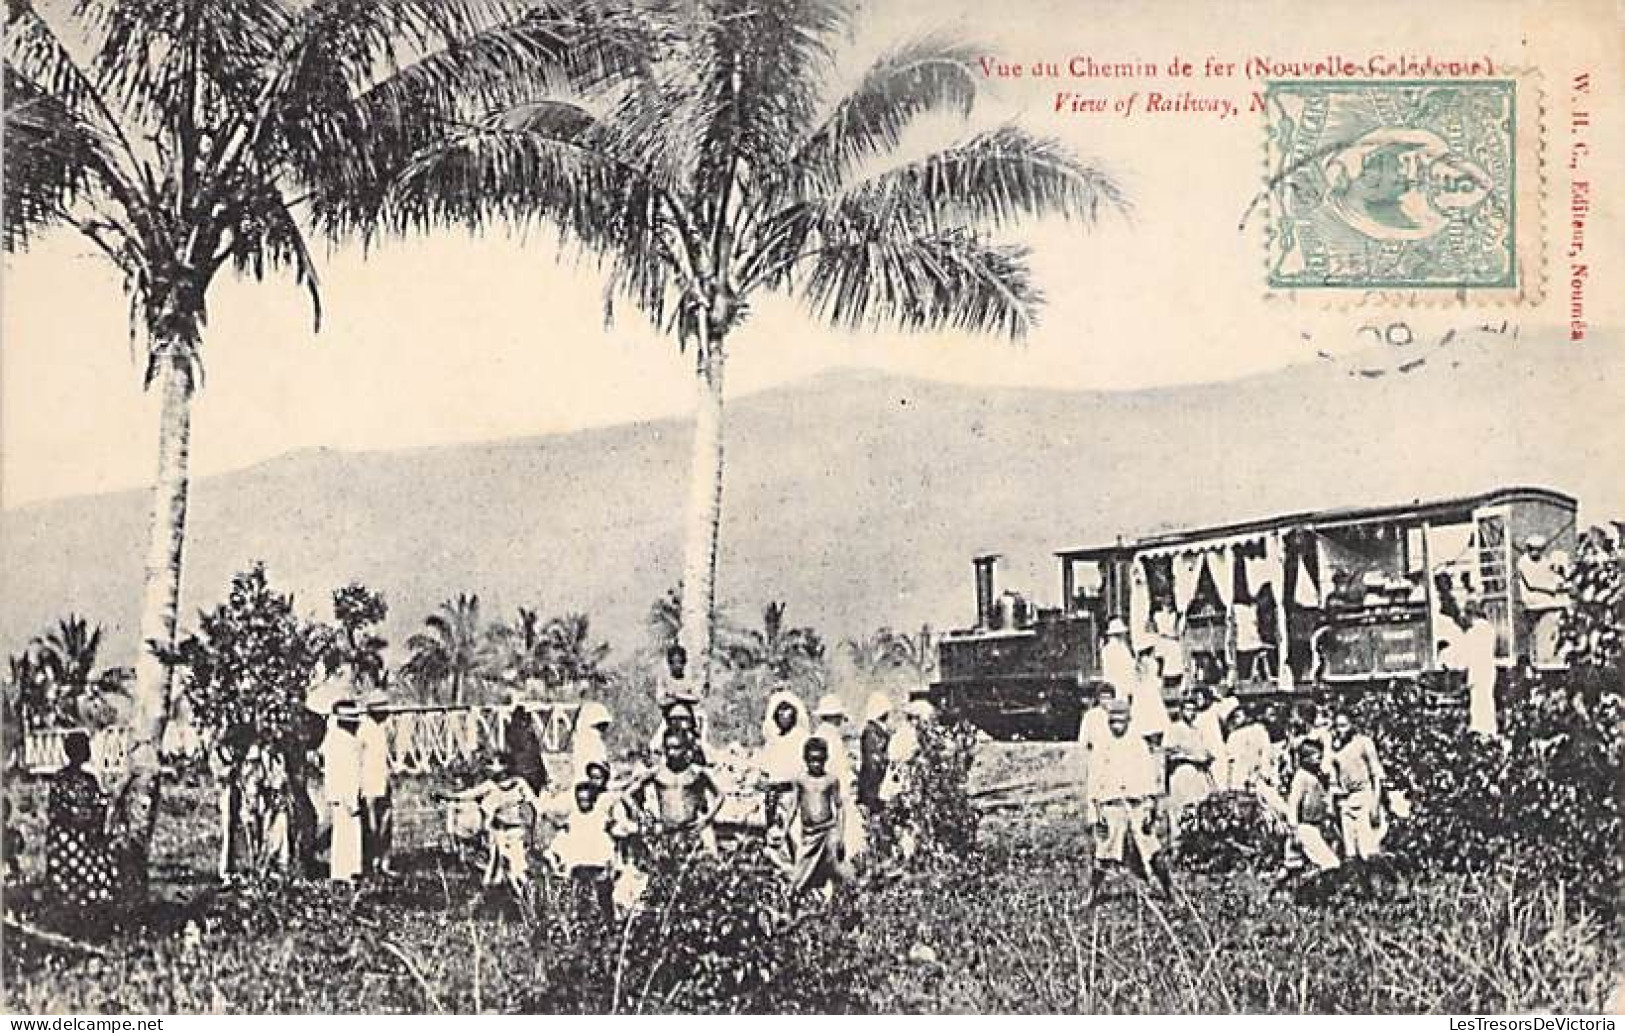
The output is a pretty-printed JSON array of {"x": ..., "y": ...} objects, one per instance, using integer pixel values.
[{"x": 1284, "y": 606}]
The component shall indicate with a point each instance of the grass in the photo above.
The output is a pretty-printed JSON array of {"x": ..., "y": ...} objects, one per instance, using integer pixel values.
[{"x": 1006, "y": 931}]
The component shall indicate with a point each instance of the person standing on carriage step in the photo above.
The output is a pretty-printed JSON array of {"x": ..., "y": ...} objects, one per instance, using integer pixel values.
[
  {"x": 341, "y": 773},
  {"x": 377, "y": 818},
  {"x": 1125, "y": 787},
  {"x": 1473, "y": 653},
  {"x": 522, "y": 747},
  {"x": 1540, "y": 587}
]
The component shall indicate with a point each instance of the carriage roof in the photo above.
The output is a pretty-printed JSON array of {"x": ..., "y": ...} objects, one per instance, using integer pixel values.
[{"x": 1457, "y": 509}]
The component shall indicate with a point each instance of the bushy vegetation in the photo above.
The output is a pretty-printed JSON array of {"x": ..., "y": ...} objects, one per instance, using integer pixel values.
[{"x": 1004, "y": 929}]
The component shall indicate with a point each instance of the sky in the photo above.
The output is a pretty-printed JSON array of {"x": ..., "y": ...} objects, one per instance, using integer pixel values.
[{"x": 454, "y": 338}]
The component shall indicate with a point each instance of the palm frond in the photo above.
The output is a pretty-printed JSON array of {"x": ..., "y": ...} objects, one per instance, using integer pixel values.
[
  {"x": 950, "y": 279},
  {"x": 53, "y": 161},
  {"x": 993, "y": 179},
  {"x": 180, "y": 67},
  {"x": 926, "y": 75},
  {"x": 761, "y": 66},
  {"x": 989, "y": 181},
  {"x": 260, "y": 233},
  {"x": 358, "y": 107}
]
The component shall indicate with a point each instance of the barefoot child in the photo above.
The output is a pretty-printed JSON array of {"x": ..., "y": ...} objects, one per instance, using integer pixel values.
[
  {"x": 1307, "y": 813},
  {"x": 817, "y": 803},
  {"x": 686, "y": 797},
  {"x": 508, "y": 807}
]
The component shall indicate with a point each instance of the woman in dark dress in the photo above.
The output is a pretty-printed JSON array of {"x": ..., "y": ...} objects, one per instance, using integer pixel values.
[{"x": 80, "y": 869}]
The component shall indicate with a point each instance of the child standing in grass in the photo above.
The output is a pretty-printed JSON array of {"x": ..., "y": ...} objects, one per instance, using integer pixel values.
[
  {"x": 818, "y": 807},
  {"x": 508, "y": 807},
  {"x": 686, "y": 797},
  {"x": 1307, "y": 815},
  {"x": 585, "y": 853},
  {"x": 1362, "y": 802},
  {"x": 1124, "y": 785}
]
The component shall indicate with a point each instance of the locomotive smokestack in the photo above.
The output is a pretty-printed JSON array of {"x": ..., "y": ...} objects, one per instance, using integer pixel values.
[{"x": 985, "y": 602}]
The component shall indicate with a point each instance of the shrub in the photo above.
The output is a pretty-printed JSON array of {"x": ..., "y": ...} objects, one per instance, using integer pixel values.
[
  {"x": 935, "y": 806},
  {"x": 1544, "y": 797},
  {"x": 1227, "y": 832},
  {"x": 710, "y": 934}
]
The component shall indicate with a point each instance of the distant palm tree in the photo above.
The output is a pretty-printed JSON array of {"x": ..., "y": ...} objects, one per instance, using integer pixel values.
[
  {"x": 721, "y": 168},
  {"x": 518, "y": 650},
  {"x": 573, "y": 658},
  {"x": 886, "y": 650},
  {"x": 183, "y": 137},
  {"x": 556, "y": 652},
  {"x": 870, "y": 654},
  {"x": 71, "y": 649},
  {"x": 453, "y": 652},
  {"x": 782, "y": 651}
]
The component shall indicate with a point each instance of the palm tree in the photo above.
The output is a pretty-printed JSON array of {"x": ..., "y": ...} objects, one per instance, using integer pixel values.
[
  {"x": 719, "y": 168},
  {"x": 573, "y": 658},
  {"x": 183, "y": 137},
  {"x": 453, "y": 652},
  {"x": 518, "y": 649},
  {"x": 70, "y": 651},
  {"x": 784, "y": 652}
]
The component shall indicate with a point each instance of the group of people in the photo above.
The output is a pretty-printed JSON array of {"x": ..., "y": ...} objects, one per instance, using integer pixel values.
[
  {"x": 820, "y": 798},
  {"x": 1145, "y": 770}
]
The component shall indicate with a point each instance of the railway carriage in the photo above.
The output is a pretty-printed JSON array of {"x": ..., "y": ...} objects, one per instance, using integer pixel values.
[{"x": 1289, "y": 605}]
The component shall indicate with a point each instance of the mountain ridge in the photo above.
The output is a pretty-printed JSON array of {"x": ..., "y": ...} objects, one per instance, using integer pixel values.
[{"x": 857, "y": 496}]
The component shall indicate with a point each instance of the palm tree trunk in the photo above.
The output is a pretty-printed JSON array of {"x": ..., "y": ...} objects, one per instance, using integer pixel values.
[
  {"x": 137, "y": 798},
  {"x": 698, "y": 631}
]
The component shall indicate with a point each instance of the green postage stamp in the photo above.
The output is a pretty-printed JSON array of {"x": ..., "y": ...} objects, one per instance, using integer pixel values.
[{"x": 1403, "y": 187}]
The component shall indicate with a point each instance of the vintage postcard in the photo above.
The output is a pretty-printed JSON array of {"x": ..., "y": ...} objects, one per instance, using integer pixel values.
[{"x": 812, "y": 506}]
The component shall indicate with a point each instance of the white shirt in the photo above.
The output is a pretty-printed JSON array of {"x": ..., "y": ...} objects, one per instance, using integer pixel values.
[
  {"x": 590, "y": 748},
  {"x": 1357, "y": 766},
  {"x": 1093, "y": 727},
  {"x": 341, "y": 765},
  {"x": 372, "y": 742},
  {"x": 1247, "y": 637},
  {"x": 1247, "y": 756},
  {"x": 1117, "y": 666},
  {"x": 1541, "y": 585},
  {"x": 1474, "y": 653},
  {"x": 1121, "y": 767},
  {"x": 585, "y": 841}
]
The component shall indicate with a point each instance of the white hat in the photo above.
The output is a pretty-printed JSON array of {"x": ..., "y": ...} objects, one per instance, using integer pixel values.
[
  {"x": 592, "y": 714},
  {"x": 1116, "y": 627},
  {"x": 1535, "y": 541},
  {"x": 877, "y": 706},
  {"x": 830, "y": 706}
]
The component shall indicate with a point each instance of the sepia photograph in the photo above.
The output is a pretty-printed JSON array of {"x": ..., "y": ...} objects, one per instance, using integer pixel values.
[{"x": 862, "y": 507}]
